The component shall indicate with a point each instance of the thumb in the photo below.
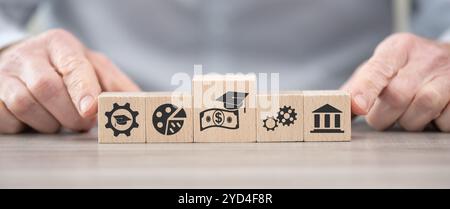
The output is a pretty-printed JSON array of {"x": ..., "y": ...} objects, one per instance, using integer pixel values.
[
  {"x": 369, "y": 80},
  {"x": 109, "y": 75}
]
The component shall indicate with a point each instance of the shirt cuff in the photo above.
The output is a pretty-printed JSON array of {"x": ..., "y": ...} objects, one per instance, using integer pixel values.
[
  {"x": 11, "y": 36},
  {"x": 445, "y": 37}
]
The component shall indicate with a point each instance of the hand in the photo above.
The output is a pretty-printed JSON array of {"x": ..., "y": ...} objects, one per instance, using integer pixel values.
[
  {"x": 407, "y": 80},
  {"x": 52, "y": 81}
]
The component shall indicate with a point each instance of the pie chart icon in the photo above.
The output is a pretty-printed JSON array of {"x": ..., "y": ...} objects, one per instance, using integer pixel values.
[{"x": 168, "y": 119}]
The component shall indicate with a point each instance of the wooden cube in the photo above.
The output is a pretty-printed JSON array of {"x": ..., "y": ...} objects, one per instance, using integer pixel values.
[
  {"x": 327, "y": 116},
  {"x": 169, "y": 117},
  {"x": 280, "y": 117},
  {"x": 224, "y": 108},
  {"x": 121, "y": 117}
]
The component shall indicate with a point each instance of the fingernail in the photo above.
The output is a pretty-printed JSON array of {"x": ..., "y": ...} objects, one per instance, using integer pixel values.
[
  {"x": 361, "y": 102},
  {"x": 86, "y": 103}
]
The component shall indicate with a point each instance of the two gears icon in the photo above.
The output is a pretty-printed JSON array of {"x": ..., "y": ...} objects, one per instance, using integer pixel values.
[{"x": 285, "y": 116}]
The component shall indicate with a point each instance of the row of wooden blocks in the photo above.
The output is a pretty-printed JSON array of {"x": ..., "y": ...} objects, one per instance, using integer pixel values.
[{"x": 223, "y": 108}]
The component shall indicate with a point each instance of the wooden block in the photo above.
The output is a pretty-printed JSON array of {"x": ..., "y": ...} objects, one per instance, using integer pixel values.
[
  {"x": 169, "y": 117},
  {"x": 280, "y": 117},
  {"x": 327, "y": 116},
  {"x": 121, "y": 117},
  {"x": 224, "y": 108}
]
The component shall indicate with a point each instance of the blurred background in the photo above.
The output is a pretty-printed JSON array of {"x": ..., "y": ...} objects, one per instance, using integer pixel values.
[{"x": 313, "y": 44}]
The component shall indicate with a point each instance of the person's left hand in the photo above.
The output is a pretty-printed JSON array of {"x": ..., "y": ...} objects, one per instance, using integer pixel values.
[{"x": 407, "y": 80}]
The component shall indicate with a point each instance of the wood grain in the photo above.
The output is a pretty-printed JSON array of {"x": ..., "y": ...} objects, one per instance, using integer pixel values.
[
  {"x": 269, "y": 126},
  {"x": 327, "y": 116},
  {"x": 392, "y": 159},
  {"x": 183, "y": 103},
  {"x": 106, "y": 102},
  {"x": 206, "y": 89}
]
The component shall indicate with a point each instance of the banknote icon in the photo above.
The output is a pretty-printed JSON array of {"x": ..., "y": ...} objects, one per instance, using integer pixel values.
[
  {"x": 222, "y": 118},
  {"x": 228, "y": 117}
]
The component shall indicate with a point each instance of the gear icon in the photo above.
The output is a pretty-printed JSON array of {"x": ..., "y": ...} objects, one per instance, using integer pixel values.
[
  {"x": 122, "y": 119},
  {"x": 270, "y": 123},
  {"x": 286, "y": 116}
]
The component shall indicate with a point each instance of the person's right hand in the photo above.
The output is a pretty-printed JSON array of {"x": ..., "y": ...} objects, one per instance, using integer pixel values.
[{"x": 52, "y": 81}]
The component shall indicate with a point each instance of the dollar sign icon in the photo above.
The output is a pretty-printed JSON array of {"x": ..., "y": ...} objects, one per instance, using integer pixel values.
[{"x": 218, "y": 117}]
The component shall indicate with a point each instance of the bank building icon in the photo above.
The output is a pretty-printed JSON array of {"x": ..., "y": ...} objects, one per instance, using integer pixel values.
[{"x": 327, "y": 119}]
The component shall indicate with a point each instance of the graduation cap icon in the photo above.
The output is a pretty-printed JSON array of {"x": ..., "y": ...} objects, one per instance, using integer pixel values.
[
  {"x": 122, "y": 119},
  {"x": 232, "y": 99}
]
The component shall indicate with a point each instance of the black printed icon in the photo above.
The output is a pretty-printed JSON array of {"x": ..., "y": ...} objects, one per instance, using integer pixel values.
[
  {"x": 322, "y": 120},
  {"x": 232, "y": 99},
  {"x": 270, "y": 123},
  {"x": 228, "y": 117},
  {"x": 122, "y": 119},
  {"x": 285, "y": 116},
  {"x": 168, "y": 119}
]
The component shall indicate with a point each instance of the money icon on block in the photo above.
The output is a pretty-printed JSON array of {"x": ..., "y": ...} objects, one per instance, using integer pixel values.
[
  {"x": 224, "y": 109},
  {"x": 220, "y": 118}
]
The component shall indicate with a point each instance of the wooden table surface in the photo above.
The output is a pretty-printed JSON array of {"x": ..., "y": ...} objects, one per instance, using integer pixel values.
[{"x": 372, "y": 159}]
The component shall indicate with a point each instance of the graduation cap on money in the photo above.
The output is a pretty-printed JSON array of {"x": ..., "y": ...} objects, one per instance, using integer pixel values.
[
  {"x": 122, "y": 119},
  {"x": 232, "y": 99}
]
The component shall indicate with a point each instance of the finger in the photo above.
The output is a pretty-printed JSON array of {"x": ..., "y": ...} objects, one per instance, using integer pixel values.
[
  {"x": 47, "y": 87},
  {"x": 110, "y": 77},
  {"x": 24, "y": 107},
  {"x": 346, "y": 87},
  {"x": 396, "y": 97},
  {"x": 430, "y": 101},
  {"x": 374, "y": 75},
  {"x": 443, "y": 121},
  {"x": 67, "y": 55},
  {"x": 9, "y": 124}
]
